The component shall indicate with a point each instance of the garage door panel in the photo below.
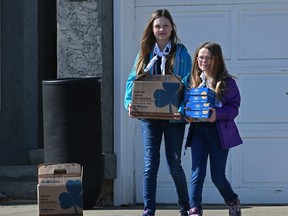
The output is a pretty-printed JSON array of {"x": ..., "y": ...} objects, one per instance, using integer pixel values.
[
  {"x": 260, "y": 162},
  {"x": 264, "y": 98},
  {"x": 262, "y": 33}
]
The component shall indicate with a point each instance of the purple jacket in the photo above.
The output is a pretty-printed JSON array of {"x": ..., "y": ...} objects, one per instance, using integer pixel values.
[{"x": 225, "y": 115}]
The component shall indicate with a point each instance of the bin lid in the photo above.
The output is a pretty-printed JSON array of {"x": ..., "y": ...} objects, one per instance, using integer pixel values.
[{"x": 71, "y": 80}]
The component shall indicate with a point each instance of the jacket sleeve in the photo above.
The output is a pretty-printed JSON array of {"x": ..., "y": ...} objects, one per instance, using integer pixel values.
[
  {"x": 129, "y": 84},
  {"x": 230, "y": 102},
  {"x": 184, "y": 70}
]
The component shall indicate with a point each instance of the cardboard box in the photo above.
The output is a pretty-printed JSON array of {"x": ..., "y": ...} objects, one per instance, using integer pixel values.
[
  {"x": 202, "y": 91},
  {"x": 198, "y": 113},
  {"x": 59, "y": 190},
  {"x": 156, "y": 96},
  {"x": 197, "y": 106},
  {"x": 200, "y": 95}
]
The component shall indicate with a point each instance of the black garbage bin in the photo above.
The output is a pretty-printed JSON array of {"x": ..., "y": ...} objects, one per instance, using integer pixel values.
[{"x": 72, "y": 129}]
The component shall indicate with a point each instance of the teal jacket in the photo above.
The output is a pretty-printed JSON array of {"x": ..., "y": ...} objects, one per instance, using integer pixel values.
[{"x": 182, "y": 67}]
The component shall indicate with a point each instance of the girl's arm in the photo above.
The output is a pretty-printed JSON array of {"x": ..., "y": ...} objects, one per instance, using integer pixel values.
[
  {"x": 230, "y": 102},
  {"x": 129, "y": 85}
]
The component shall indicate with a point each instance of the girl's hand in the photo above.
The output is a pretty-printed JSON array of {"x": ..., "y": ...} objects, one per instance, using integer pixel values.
[
  {"x": 212, "y": 117},
  {"x": 130, "y": 111},
  {"x": 177, "y": 116}
]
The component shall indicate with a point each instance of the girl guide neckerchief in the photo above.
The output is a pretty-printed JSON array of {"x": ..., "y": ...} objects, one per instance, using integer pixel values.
[
  {"x": 158, "y": 54},
  {"x": 204, "y": 84},
  {"x": 203, "y": 77}
]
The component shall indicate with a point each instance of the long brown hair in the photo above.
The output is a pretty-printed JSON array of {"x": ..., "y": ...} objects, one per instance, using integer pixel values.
[
  {"x": 218, "y": 68},
  {"x": 148, "y": 41}
]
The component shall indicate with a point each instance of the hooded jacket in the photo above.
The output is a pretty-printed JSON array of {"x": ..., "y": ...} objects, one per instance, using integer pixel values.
[{"x": 225, "y": 115}]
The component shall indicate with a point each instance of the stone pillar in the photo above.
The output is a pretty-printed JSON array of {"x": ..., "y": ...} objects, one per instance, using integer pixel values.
[{"x": 85, "y": 48}]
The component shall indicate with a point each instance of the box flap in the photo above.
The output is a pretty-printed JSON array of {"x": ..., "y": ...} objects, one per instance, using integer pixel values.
[{"x": 58, "y": 173}]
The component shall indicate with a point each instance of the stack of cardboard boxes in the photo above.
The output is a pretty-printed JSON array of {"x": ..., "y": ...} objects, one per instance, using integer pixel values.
[
  {"x": 60, "y": 190},
  {"x": 198, "y": 102}
]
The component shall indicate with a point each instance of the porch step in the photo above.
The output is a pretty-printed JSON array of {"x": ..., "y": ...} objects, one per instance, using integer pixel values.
[{"x": 19, "y": 182}]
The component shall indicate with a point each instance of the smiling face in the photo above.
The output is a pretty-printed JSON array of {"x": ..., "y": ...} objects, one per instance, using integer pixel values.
[
  {"x": 162, "y": 29},
  {"x": 204, "y": 59}
]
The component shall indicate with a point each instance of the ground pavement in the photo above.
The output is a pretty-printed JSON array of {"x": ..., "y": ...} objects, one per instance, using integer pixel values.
[{"x": 30, "y": 208}]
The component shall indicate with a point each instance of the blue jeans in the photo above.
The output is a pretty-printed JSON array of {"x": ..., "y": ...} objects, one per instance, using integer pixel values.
[
  {"x": 206, "y": 143},
  {"x": 152, "y": 131}
]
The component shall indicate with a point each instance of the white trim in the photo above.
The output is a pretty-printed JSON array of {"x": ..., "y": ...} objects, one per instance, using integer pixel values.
[{"x": 123, "y": 137}]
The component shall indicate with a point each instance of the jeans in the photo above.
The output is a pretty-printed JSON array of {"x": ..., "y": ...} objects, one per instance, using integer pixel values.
[
  {"x": 152, "y": 131},
  {"x": 206, "y": 143}
]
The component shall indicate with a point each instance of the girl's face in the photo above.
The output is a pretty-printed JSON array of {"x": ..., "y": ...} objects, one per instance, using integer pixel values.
[
  {"x": 204, "y": 59},
  {"x": 162, "y": 29}
]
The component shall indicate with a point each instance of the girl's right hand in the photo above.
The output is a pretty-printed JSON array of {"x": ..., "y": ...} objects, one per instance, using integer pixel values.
[{"x": 130, "y": 111}]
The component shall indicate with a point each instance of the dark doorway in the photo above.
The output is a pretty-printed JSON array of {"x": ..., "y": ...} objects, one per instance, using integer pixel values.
[{"x": 47, "y": 50}]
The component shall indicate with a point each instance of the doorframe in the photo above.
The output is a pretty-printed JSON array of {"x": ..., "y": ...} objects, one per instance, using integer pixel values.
[{"x": 124, "y": 135}]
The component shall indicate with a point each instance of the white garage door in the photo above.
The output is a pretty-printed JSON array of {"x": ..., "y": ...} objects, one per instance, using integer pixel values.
[{"x": 254, "y": 41}]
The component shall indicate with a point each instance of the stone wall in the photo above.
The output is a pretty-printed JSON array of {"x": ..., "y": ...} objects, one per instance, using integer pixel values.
[{"x": 79, "y": 30}]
